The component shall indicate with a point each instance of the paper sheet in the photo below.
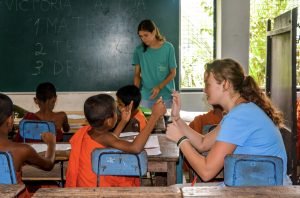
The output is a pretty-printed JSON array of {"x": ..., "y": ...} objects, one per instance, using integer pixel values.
[
  {"x": 127, "y": 134},
  {"x": 43, "y": 147},
  {"x": 189, "y": 116},
  {"x": 75, "y": 116},
  {"x": 152, "y": 146},
  {"x": 152, "y": 142},
  {"x": 153, "y": 151}
]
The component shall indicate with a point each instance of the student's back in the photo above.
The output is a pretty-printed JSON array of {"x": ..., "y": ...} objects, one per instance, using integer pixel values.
[
  {"x": 22, "y": 153},
  {"x": 100, "y": 111},
  {"x": 46, "y": 98}
]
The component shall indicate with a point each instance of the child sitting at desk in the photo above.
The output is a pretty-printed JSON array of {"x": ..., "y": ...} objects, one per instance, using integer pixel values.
[
  {"x": 137, "y": 120},
  {"x": 205, "y": 122},
  {"x": 101, "y": 113},
  {"x": 22, "y": 153},
  {"x": 45, "y": 99}
]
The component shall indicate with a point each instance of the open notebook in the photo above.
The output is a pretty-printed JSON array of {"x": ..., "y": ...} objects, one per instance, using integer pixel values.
[
  {"x": 40, "y": 147},
  {"x": 152, "y": 146}
]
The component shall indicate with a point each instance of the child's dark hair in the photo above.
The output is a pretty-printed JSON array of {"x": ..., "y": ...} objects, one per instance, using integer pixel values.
[
  {"x": 6, "y": 107},
  {"x": 130, "y": 93},
  {"x": 149, "y": 26},
  {"x": 45, "y": 91},
  {"x": 98, "y": 108}
]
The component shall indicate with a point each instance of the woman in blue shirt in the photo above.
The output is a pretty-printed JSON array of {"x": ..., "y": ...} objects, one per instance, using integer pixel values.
[
  {"x": 155, "y": 65},
  {"x": 251, "y": 125}
]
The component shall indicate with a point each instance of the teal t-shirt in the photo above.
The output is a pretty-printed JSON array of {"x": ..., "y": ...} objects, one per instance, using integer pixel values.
[{"x": 156, "y": 65}]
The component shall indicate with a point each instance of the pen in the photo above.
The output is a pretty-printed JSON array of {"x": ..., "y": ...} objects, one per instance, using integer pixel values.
[{"x": 194, "y": 180}]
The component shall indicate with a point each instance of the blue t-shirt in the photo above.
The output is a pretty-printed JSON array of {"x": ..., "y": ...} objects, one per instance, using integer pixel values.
[
  {"x": 156, "y": 65},
  {"x": 253, "y": 132}
]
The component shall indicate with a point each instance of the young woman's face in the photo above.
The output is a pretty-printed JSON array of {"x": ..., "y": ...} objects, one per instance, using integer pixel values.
[
  {"x": 147, "y": 37},
  {"x": 213, "y": 89}
]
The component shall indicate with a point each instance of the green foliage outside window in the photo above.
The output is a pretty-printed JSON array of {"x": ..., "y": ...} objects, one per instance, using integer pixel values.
[
  {"x": 196, "y": 41},
  {"x": 261, "y": 11}
]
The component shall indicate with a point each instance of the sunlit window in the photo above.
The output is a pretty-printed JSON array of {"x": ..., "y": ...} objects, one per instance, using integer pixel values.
[{"x": 197, "y": 41}]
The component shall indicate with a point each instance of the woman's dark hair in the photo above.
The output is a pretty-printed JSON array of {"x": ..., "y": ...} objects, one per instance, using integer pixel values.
[
  {"x": 45, "y": 91},
  {"x": 6, "y": 107},
  {"x": 149, "y": 26},
  {"x": 98, "y": 108},
  {"x": 232, "y": 71},
  {"x": 130, "y": 93}
]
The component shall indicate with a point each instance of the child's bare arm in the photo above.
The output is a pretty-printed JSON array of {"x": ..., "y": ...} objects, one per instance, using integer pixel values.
[
  {"x": 125, "y": 117},
  {"x": 24, "y": 153},
  {"x": 65, "y": 124},
  {"x": 139, "y": 142}
]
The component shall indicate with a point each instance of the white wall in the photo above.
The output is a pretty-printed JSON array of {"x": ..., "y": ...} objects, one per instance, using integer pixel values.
[
  {"x": 233, "y": 30},
  {"x": 74, "y": 101},
  {"x": 232, "y": 41}
]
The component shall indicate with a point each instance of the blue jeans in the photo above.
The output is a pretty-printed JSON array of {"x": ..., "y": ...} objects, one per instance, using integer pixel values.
[{"x": 150, "y": 103}]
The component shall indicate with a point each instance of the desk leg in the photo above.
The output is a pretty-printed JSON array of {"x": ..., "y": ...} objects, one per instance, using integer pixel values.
[
  {"x": 179, "y": 174},
  {"x": 62, "y": 173},
  {"x": 171, "y": 176}
]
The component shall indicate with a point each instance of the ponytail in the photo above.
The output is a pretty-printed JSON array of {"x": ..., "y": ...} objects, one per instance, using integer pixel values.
[{"x": 251, "y": 92}]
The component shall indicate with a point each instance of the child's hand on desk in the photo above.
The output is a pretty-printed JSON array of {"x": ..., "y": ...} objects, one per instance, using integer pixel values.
[
  {"x": 48, "y": 138},
  {"x": 174, "y": 132}
]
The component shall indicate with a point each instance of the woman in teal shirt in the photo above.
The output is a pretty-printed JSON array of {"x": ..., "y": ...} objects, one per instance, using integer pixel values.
[{"x": 155, "y": 65}]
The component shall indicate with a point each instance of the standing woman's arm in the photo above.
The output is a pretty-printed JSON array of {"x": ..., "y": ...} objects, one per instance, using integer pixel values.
[
  {"x": 161, "y": 85},
  {"x": 137, "y": 75},
  {"x": 170, "y": 77}
]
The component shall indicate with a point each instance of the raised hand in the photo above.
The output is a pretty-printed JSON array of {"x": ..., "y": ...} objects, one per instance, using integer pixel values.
[
  {"x": 48, "y": 138},
  {"x": 176, "y": 106},
  {"x": 126, "y": 112},
  {"x": 159, "y": 108},
  {"x": 174, "y": 132}
]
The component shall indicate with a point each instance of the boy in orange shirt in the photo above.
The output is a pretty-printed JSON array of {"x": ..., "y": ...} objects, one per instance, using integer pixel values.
[
  {"x": 101, "y": 113},
  {"x": 137, "y": 120},
  {"x": 204, "y": 123}
]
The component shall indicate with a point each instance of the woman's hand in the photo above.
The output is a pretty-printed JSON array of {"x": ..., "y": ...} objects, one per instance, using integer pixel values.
[
  {"x": 155, "y": 92},
  {"x": 174, "y": 132},
  {"x": 176, "y": 106},
  {"x": 126, "y": 112}
]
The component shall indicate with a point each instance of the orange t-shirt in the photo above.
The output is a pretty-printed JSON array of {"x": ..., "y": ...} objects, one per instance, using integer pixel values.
[
  {"x": 209, "y": 118},
  {"x": 24, "y": 193},
  {"x": 140, "y": 117},
  {"x": 79, "y": 171}
]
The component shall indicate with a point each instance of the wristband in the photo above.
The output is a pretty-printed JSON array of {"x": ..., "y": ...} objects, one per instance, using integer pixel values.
[{"x": 181, "y": 140}]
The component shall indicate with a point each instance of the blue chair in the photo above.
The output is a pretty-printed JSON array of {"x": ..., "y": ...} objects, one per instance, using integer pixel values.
[
  {"x": 7, "y": 169},
  {"x": 110, "y": 161},
  {"x": 32, "y": 129},
  {"x": 253, "y": 170}
]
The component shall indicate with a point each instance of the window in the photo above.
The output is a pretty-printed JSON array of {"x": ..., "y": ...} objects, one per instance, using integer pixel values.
[
  {"x": 197, "y": 41},
  {"x": 260, "y": 12}
]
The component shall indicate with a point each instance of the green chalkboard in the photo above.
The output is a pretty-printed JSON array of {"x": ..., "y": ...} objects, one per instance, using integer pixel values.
[{"x": 79, "y": 45}]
